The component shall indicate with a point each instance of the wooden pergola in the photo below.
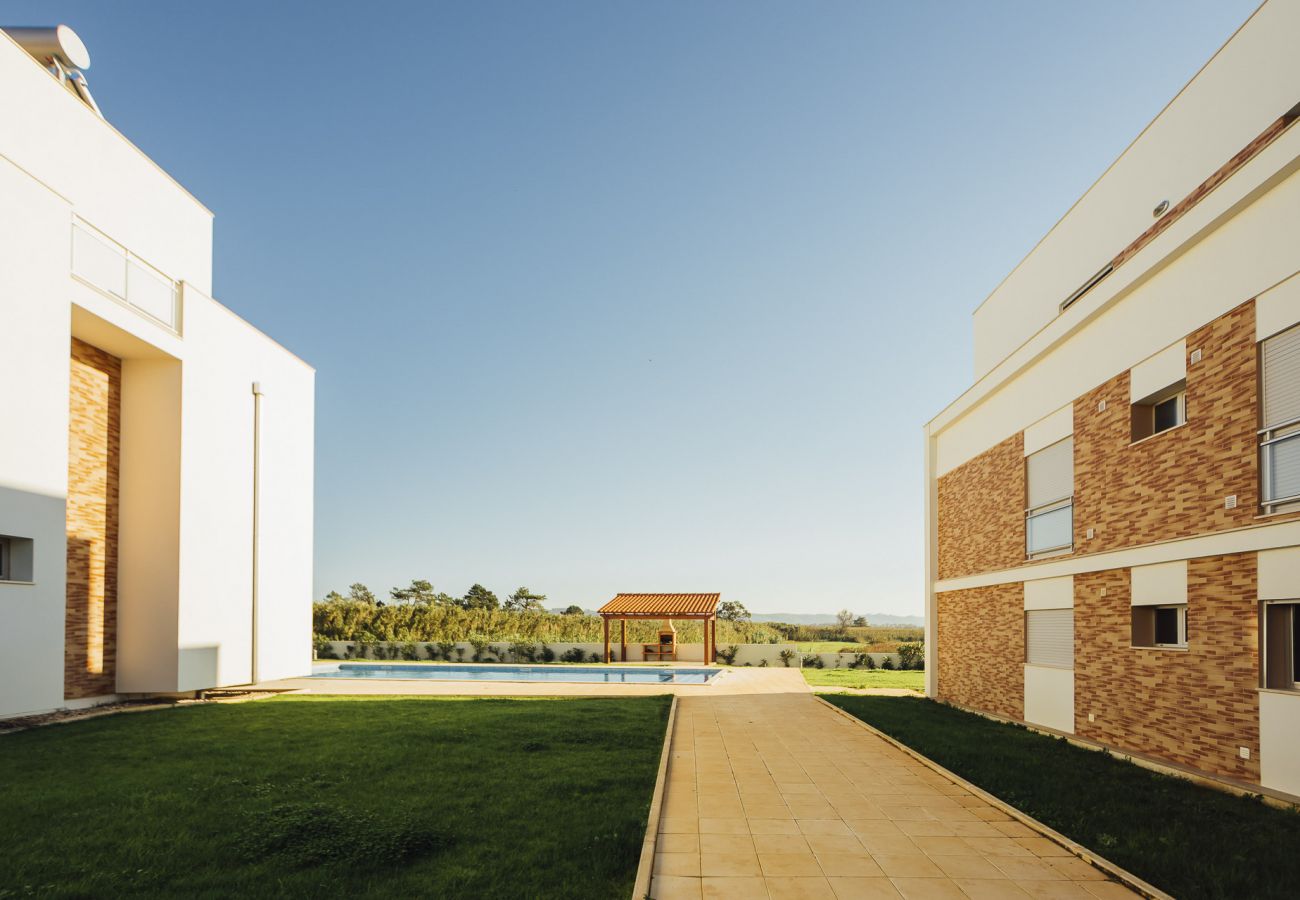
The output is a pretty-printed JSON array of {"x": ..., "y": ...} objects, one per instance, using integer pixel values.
[{"x": 699, "y": 607}]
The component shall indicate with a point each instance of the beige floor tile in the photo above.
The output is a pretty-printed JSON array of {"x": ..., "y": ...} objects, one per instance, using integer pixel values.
[
  {"x": 928, "y": 889},
  {"x": 998, "y": 847},
  {"x": 928, "y": 828},
  {"x": 677, "y": 843},
  {"x": 782, "y": 843},
  {"x": 1041, "y": 846},
  {"x": 674, "y": 887},
  {"x": 1108, "y": 890},
  {"x": 1020, "y": 870},
  {"x": 732, "y": 825},
  {"x": 873, "y": 826},
  {"x": 726, "y": 843},
  {"x": 989, "y": 888},
  {"x": 835, "y": 843},
  {"x": 823, "y": 826},
  {"x": 800, "y": 888},
  {"x": 907, "y": 866},
  {"x": 774, "y": 864},
  {"x": 1013, "y": 829},
  {"x": 768, "y": 811},
  {"x": 729, "y": 864},
  {"x": 974, "y": 829},
  {"x": 810, "y": 808},
  {"x": 944, "y": 846},
  {"x": 679, "y": 825},
  {"x": 1056, "y": 890},
  {"x": 967, "y": 867},
  {"x": 894, "y": 844},
  {"x": 677, "y": 864},
  {"x": 799, "y": 788},
  {"x": 779, "y": 825},
  {"x": 741, "y": 887},
  {"x": 1075, "y": 869},
  {"x": 860, "y": 863},
  {"x": 863, "y": 889}
]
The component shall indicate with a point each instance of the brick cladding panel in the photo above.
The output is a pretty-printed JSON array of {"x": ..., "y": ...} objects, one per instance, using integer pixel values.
[
  {"x": 94, "y": 439},
  {"x": 1195, "y": 707},
  {"x": 981, "y": 512},
  {"x": 1172, "y": 485},
  {"x": 981, "y": 641}
]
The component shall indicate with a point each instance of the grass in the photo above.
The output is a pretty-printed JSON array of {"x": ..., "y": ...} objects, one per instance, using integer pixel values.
[
  {"x": 1191, "y": 841},
  {"x": 318, "y": 796},
  {"x": 912, "y": 680}
]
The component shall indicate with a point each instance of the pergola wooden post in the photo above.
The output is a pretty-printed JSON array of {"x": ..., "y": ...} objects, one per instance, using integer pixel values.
[{"x": 669, "y": 607}]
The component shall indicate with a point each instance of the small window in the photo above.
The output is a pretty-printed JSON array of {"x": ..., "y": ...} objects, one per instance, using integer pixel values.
[
  {"x": 1160, "y": 626},
  {"x": 1049, "y": 507},
  {"x": 1160, "y": 412},
  {"x": 1049, "y": 637},
  {"x": 1282, "y": 646}
]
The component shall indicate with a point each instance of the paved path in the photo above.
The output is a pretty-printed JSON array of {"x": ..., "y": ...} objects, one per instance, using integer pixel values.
[{"x": 777, "y": 796}]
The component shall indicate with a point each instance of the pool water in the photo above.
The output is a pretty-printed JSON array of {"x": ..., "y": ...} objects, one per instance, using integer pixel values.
[{"x": 589, "y": 674}]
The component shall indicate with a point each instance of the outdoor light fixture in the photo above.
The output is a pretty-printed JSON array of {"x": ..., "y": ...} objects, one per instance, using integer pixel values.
[{"x": 1161, "y": 208}]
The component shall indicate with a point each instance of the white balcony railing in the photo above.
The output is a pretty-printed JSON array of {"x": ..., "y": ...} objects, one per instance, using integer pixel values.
[
  {"x": 107, "y": 266},
  {"x": 1279, "y": 465}
]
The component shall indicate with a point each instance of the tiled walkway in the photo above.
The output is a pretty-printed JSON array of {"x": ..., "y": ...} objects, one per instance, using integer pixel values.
[{"x": 778, "y": 796}]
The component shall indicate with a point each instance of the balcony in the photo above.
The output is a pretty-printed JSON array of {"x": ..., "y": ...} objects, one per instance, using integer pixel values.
[{"x": 105, "y": 265}]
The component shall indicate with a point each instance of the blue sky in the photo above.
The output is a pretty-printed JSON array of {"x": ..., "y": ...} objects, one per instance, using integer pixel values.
[{"x": 631, "y": 296}]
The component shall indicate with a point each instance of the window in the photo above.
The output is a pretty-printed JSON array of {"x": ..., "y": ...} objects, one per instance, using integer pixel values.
[
  {"x": 1160, "y": 626},
  {"x": 1160, "y": 412},
  {"x": 4, "y": 559},
  {"x": 1049, "y": 637},
  {"x": 1279, "y": 447},
  {"x": 1282, "y": 645},
  {"x": 1049, "y": 513}
]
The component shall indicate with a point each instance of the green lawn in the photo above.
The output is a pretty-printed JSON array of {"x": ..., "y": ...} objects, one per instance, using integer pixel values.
[
  {"x": 865, "y": 678},
  {"x": 319, "y": 796},
  {"x": 1190, "y": 841}
]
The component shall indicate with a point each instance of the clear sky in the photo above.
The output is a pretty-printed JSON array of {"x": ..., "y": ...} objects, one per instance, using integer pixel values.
[{"x": 614, "y": 296}]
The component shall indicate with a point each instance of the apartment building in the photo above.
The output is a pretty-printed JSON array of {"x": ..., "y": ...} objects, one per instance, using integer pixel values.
[
  {"x": 155, "y": 449},
  {"x": 1113, "y": 506}
]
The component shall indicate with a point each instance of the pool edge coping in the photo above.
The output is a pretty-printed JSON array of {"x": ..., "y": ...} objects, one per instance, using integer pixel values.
[
  {"x": 645, "y": 867},
  {"x": 1123, "y": 876}
]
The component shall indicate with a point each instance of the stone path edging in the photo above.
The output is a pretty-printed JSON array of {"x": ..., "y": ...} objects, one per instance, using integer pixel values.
[
  {"x": 644, "y": 869},
  {"x": 1123, "y": 876}
]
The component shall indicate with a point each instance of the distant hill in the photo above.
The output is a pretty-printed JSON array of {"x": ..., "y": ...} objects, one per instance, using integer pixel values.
[{"x": 817, "y": 619}]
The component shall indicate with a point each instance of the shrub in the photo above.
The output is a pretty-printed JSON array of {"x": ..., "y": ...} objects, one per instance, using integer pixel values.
[
  {"x": 888, "y": 664},
  {"x": 787, "y": 655},
  {"x": 870, "y": 661},
  {"x": 524, "y": 651},
  {"x": 911, "y": 656},
  {"x": 324, "y": 648},
  {"x": 596, "y": 657},
  {"x": 762, "y": 663},
  {"x": 502, "y": 651},
  {"x": 447, "y": 648},
  {"x": 460, "y": 654},
  {"x": 573, "y": 655},
  {"x": 410, "y": 651},
  {"x": 860, "y": 660},
  {"x": 548, "y": 655},
  {"x": 818, "y": 662},
  {"x": 728, "y": 655}
]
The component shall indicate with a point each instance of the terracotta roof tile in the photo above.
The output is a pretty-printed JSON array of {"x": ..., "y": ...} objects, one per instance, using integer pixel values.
[{"x": 662, "y": 604}]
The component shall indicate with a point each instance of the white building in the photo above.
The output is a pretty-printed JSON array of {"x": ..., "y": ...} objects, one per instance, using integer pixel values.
[{"x": 155, "y": 449}]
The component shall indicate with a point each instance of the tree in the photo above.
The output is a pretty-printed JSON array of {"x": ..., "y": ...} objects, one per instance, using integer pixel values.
[
  {"x": 860, "y": 622},
  {"x": 359, "y": 593},
  {"x": 524, "y": 600},
  {"x": 574, "y": 610},
  {"x": 845, "y": 618},
  {"x": 420, "y": 592},
  {"x": 334, "y": 597},
  {"x": 479, "y": 597},
  {"x": 733, "y": 611}
]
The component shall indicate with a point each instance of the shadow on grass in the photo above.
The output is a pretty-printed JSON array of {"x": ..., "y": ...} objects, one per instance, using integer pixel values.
[
  {"x": 349, "y": 795},
  {"x": 1188, "y": 840}
]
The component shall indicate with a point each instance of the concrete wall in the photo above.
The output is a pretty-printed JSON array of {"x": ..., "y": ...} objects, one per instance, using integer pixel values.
[
  {"x": 748, "y": 654},
  {"x": 186, "y": 527}
]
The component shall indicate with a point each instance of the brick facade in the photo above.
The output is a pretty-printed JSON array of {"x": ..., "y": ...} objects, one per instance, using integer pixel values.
[
  {"x": 981, "y": 512},
  {"x": 981, "y": 644},
  {"x": 1173, "y": 484},
  {"x": 1194, "y": 707},
  {"x": 94, "y": 438}
]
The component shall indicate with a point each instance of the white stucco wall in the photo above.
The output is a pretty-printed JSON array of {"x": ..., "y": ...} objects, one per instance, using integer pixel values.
[
  {"x": 185, "y": 544},
  {"x": 1279, "y": 736},
  {"x": 1049, "y": 697}
]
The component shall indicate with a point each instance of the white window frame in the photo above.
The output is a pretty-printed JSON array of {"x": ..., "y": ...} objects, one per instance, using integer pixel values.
[
  {"x": 1272, "y": 434},
  {"x": 1182, "y": 625},
  {"x": 1048, "y": 507}
]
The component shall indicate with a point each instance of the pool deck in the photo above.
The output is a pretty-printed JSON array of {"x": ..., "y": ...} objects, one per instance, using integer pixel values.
[{"x": 729, "y": 681}]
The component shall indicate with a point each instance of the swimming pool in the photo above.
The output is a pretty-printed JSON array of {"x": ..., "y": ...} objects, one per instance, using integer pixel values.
[{"x": 585, "y": 674}]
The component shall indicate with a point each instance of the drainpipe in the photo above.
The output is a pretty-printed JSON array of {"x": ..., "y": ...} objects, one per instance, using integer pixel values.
[{"x": 257, "y": 490}]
